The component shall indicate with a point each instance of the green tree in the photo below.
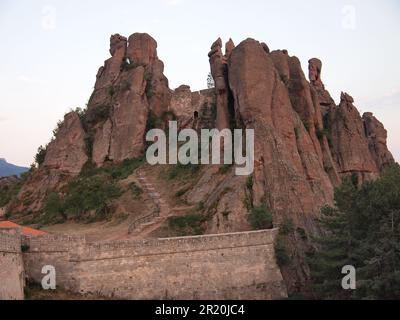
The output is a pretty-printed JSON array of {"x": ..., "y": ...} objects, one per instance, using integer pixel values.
[
  {"x": 362, "y": 230},
  {"x": 260, "y": 218},
  {"x": 40, "y": 155}
]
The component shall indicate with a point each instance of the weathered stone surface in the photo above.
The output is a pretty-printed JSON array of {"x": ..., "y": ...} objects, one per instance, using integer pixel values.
[
  {"x": 314, "y": 74},
  {"x": 288, "y": 173},
  {"x": 199, "y": 267},
  {"x": 102, "y": 141},
  {"x": 218, "y": 64},
  {"x": 349, "y": 143},
  {"x": 142, "y": 49},
  {"x": 67, "y": 152},
  {"x": 377, "y": 140},
  {"x": 181, "y": 103},
  {"x": 108, "y": 74},
  {"x": 193, "y": 109},
  {"x": 129, "y": 117},
  {"x": 11, "y": 266}
]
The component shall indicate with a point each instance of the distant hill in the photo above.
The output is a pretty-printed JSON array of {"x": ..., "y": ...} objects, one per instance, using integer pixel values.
[{"x": 8, "y": 169}]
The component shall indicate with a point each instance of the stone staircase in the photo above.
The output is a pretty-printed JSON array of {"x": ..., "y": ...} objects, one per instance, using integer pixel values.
[{"x": 145, "y": 224}]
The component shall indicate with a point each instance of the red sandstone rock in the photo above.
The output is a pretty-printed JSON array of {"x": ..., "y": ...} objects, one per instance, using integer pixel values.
[
  {"x": 349, "y": 144},
  {"x": 142, "y": 49},
  {"x": 108, "y": 74},
  {"x": 377, "y": 140},
  {"x": 288, "y": 173},
  {"x": 67, "y": 152},
  {"x": 129, "y": 118},
  {"x": 219, "y": 72}
]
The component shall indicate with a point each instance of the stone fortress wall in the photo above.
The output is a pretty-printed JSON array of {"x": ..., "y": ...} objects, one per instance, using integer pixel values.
[
  {"x": 222, "y": 266},
  {"x": 11, "y": 266}
]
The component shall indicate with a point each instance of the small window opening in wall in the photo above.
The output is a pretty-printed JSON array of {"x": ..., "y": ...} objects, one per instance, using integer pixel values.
[{"x": 196, "y": 114}]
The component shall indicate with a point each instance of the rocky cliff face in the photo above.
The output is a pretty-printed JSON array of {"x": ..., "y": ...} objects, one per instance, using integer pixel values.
[{"x": 304, "y": 142}]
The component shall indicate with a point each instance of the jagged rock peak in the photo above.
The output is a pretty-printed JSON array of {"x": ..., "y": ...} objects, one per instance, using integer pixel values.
[
  {"x": 142, "y": 49},
  {"x": 216, "y": 48},
  {"x": 314, "y": 72},
  {"x": 345, "y": 97},
  {"x": 229, "y": 46},
  {"x": 265, "y": 47},
  {"x": 117, "y": 42}
]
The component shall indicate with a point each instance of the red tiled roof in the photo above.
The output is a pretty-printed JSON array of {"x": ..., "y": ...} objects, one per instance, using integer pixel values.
[{"x": 25, "y": 230}]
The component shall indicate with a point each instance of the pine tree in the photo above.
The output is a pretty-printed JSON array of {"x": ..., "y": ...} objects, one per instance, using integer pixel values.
[{"x": 362, "y": 230}]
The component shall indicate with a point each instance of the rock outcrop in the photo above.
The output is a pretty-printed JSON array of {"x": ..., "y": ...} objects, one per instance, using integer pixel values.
[
  {"x": 129, "y": 86},
  {"x": 291, "y": 178},
  {"x": 304, "y": 143},
  {"x": 65, "y": 157},
  {"x": 219, "y": 72},
  {"x": 67, "y": 152},
  {"x": 8, "y": 182},
  {"x": 377, "y": 141},
  {"x": 354, "y": 141}
]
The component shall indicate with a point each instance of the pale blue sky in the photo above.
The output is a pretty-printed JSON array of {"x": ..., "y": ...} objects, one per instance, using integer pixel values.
[{"x": 51, "y": 51}]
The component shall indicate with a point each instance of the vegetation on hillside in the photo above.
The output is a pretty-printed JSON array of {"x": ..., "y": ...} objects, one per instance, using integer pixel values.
[
  {"x": 362, "y": 230},
  {"x": 89, "y": 196},
  {"x": 260, "y": 218},
  {"x": 7, "y": 194},
  {"x": 188, "y": 225}
]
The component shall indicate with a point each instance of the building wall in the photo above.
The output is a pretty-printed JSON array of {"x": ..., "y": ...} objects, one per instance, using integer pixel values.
[
  {"x": 224, "y": 266},
  {"x": 184, "y": 102},
  {"x": 11, "y": 266}
]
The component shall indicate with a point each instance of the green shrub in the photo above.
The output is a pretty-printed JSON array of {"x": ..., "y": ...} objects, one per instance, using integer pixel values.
[
  {"x": 40, "y": 155},
  {"x": 124, "y": 169},
  {"x": 182, "y": 170},
  {"x": 281, "y": 256},
  {"x": 260, "y": 218},
  {"x": 53, "y": 211},
  {"x": 91, "y": 193},
  {"x": 8, "y": 194},
  {"x": 135, "y": 189},
  {"x": 181, "y": 192},
  {"x": 111, "y": 91},
  {"x": 96, "y": 114},
  {"x": 59, "y": 125},
  {"x": 302, "y": 233},
  {"x": 200, "y": 206},
  {"x": 249, "y": 182},
  {"x": 287, "y": 226},
  {"x": 187, "y": 225},
  {"x": 224, "y": 169}
]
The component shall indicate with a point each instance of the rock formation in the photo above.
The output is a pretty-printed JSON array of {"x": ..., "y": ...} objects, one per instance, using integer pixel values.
[
  {"x": 354, "y": 141},
  {"x": 218, "y": 64},
  {"x": 304, "y": 142},
  {"x": 67, "y": 152},
  {"x": 377, "y": 139},
  {"x": 129, "y": 85},
  {"x": 291, "y": 178}
]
